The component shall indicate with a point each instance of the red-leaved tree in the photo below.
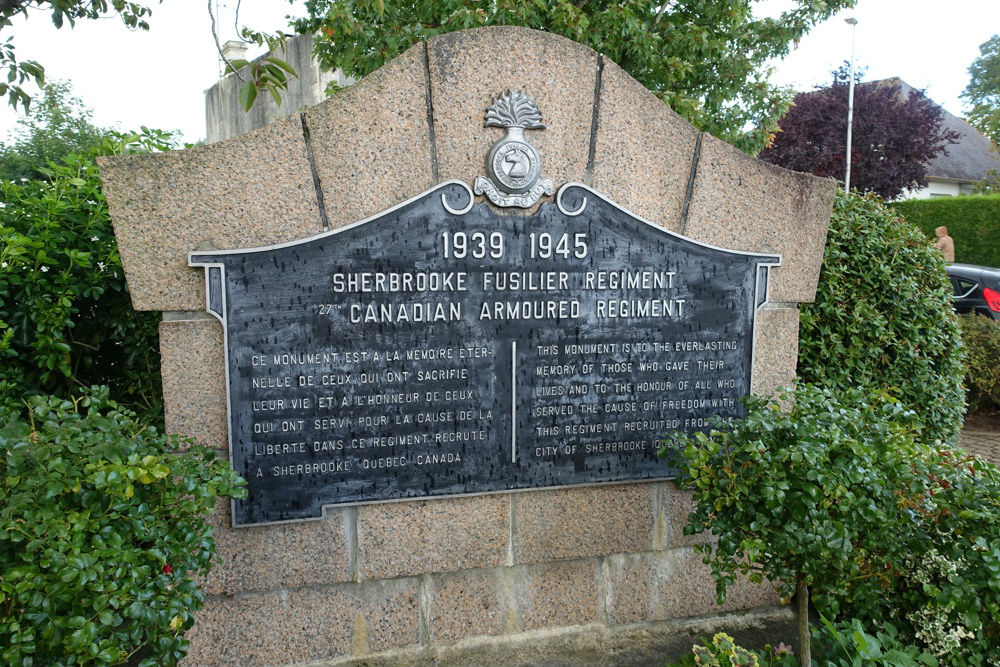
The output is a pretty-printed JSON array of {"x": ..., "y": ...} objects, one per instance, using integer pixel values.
[{"x": 896, "y": 131}]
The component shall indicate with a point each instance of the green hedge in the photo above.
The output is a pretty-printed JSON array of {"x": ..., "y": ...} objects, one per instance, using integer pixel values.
[
  {"x": 882, "y": 320},
  {"x": 981, "y": 337},
  {"x": 974, "y": 223}
]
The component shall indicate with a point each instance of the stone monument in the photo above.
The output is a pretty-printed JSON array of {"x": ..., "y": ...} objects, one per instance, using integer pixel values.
[{"x": 439, "y": 322}]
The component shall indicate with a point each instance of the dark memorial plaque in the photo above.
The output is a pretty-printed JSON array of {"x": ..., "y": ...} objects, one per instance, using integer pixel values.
[{"x": 443, "y": 348}]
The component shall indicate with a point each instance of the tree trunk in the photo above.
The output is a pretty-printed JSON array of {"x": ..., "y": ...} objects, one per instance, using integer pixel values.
[{"x": 802, "y": 596}]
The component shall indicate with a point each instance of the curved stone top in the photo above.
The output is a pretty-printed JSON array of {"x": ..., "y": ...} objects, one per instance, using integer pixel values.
[{"x": 418, "y": 121}]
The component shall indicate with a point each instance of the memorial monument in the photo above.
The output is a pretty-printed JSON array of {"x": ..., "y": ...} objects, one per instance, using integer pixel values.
[{"x": 439, "y": 323}]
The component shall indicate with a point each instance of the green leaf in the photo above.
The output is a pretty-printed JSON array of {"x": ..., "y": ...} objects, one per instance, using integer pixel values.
[
  {"x": 275, "y": 95},
  {"x": 237, "y": 64},
  {"x": 283, "y": 65},
  {"x": 248, "y": 93}
]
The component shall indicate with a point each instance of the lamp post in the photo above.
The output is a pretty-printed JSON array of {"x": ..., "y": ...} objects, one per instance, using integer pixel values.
[{"x": 853, "y": 22}]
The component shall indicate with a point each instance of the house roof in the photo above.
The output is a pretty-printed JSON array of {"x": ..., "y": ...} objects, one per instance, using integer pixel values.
[{"x": 967, "y": 160}]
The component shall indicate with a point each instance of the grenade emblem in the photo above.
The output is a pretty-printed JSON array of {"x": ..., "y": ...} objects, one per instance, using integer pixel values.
[{"x": 513, "y": 164}]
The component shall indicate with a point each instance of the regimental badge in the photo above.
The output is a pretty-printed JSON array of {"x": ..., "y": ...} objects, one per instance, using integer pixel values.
[{"x": 513, "y": 164}]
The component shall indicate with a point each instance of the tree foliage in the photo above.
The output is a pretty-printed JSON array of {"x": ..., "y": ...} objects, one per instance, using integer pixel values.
[
  {"x": 132, "y": 14},
  {"x": 270, "y": 74},
  {"x": 66, "y": 318},
  {"x": 843, "y": 493},
  {"x": 893, "y": 136},
  {"x": 983, "y": 91},
  {"x": 791, "y": 495},
  {"x": 57, "y": 125},
  {"x": 102, "y": 527},
  {"x": 705, "y": 58}
]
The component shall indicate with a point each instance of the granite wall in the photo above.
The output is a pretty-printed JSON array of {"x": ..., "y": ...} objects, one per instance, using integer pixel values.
[{"x": 592, "y": 575}]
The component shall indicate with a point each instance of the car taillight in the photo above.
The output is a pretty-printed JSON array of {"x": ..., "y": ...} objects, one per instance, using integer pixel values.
[{"x": 992, "y": 299}]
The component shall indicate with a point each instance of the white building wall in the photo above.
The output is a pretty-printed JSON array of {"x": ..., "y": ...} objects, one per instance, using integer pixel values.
[
  {"x": 224, "y": 116},
  {"x": 935, "y": 189}
]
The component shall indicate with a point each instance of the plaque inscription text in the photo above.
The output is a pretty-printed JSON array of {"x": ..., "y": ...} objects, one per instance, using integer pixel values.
[{"x": 441, "y": 348}]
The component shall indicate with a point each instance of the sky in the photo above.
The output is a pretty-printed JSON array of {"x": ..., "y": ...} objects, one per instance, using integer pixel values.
[
  {"x": 132, "y": 78},
  {"x": 159, "y": 78},
  {"x": 927, "y": 43}
]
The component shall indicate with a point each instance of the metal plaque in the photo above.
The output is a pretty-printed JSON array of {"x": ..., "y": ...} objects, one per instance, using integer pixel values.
[{"x": 443, "y": 348}]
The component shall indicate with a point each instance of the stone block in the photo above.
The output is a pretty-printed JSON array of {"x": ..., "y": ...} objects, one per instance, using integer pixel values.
[
  {"x": 776, "y": 349},
  {"x": 629, "y": 589},
  {"x": 556, "y": 594},
  {"x": 391, "y": 613},
  {"x": 675, "y": 505},
  {"x": 287, "y": 555},
  {"x": 192, "y": 361},
  {"x": 253, "y": 190},
  {"x": 643, "y": 150},
  {"x": 441, "y": 535},
  {"x": 469, "y": 68},
  {"x": 270, "y": 629},
  {"x": 673, "y": 584},
  {"x": 371, "y": 141},
  {"x": 293, "y": 626},
  {"x": 684, "y": 587},
  {"x": 583, "y": 522},
  {"x": 466, "y": 604},
  {"x": 742, "y": 203}
]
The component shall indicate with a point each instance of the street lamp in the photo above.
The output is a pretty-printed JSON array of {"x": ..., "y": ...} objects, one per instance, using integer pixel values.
[{"x": 853, "y": 22}]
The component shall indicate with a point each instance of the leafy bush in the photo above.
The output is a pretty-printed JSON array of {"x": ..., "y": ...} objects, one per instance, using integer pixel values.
[
  {"x": 722, "y": 651},
  {"x": 936, "y": 574},
  {"x": 847, "y": 644},
  {"x": 838, "y": 494},
  {"x": 101, "y": 531},
  {"x": 791, "y": 494},
  {"x": 882, "y": 320},
  {"x": 981, "y": 337},
  {"x": 66, "y": 318},
  {"x": 844, "y": 644},
  {"x": 974, "y": 223}
]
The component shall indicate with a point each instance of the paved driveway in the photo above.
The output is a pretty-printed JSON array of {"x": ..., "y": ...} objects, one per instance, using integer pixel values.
[{"x": 985, "y": 444}]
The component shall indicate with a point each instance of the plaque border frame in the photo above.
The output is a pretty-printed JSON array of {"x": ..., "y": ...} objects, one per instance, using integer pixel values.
[{"x": 760, "y": 299}]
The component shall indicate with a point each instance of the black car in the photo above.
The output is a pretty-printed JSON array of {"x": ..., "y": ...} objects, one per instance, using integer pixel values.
[{"x": 977, "y": 289}]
